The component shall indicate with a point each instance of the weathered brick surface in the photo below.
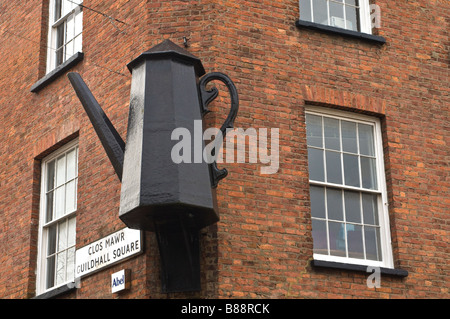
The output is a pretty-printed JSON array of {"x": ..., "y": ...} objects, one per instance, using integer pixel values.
[{"x": 262, "y": 245}]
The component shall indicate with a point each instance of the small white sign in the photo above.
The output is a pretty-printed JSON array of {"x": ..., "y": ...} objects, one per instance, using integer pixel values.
[
  {"x": 120, "y": 280},
  {"x": 107, "y": 251}
]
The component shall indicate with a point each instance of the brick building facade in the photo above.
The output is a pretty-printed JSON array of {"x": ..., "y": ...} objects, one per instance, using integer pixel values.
[{"x": 290, "y": 73}]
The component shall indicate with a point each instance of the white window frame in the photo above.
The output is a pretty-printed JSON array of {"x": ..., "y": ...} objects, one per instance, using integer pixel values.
[
  {"x": 364, "y": 15},
  {"x": 41, "y": 278},
  {"x": 76, "y": 10},
  {"x": 383, "y": 213}
]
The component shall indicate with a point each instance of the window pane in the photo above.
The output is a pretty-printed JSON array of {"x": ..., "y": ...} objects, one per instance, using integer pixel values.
[
  {"x": 71, "y": 232},
  {"x": 337, "y": 15},
  {"x": 57, "y": 10},
  {"x": 320, "y": 11},
  {"x": 79, "y": 23},
  {"x": 59, "y": 45},
  {"x": 71, "y": 164},
  {"x": 319, "y": 233},
  {"x": 60, "y": 170},
  {"x": 51, "y": 240},
  {"x": 67, "y": 6},
  {"x": 368, "y": 173},
  {"x": 355, "y": 242},
  {"x": 352, "y": 2},
  {"x": 70, "y": 197},
  {"x": 352, "y": 17},
  {"x": 305, "y": 10},
  {"x": 59, "y": 206},
  {"x": 334, "y": 204},
  {"x": 50, "y": 282},
  {"x": 69, "y": 49},
  {"x": 370, "y": 209},
  {"x": 315, "y": 164},
  {"x": 317, "y": 201},
  {"x": 62, "y": 235},
  {"x": 334, "y": 174},
  {"x": 349, "y": 137},
  {"x": 70, "y": 264},
  {"x": 50, "y": 175},
  {"x": 372, "y": 239},
  {"x": 332, "y": 135},
  {"x": 60, "y": 35},
  {"x": 366, "y": 140},
  {"x": 351, "y": 170},
  {"x": 337, "y": 238},
  {"x": 314, "y": 130},
  {"x": 78, "y": 43},
  {"x": 70, "y": 33},
  {"x": 59, "y": 56},
  {"x": 49, "y": 208},
  {"x": 61, "y": 268},
  {"x": 352, "y": 206}
]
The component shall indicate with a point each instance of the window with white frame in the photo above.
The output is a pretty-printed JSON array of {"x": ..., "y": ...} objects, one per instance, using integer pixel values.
[
  {"x": 57, "y": 221},
  {"x": 347, "y": 188},
  {"x": 346, "y": 14},
  {"x": 65, "y": 31}
]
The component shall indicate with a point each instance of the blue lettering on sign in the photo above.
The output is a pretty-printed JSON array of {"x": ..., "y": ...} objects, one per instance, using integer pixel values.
[{"x": 118, "y": 281}]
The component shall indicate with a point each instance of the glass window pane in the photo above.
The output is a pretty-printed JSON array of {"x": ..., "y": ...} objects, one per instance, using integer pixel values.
[
  {"x": 349, "y": 143},
  {"x": 71, "y": 232},
  {"x": 60, "y": 170},
  {"x": 334, "y": 174},
  {"x": 59, "y": 56},
  {"x": 320, "y": 11},
  {"x": 61, "y": 268},
  {"x": 352, "y": 206},
  {"x": 315, "y": 164},
  {"x": 49, "y": 208},
  {"x": 79, "y": 23},
  {"x": 366, "y": 140},
  {"x": 60, "y": 35},
  {"x": 305, "y": 10},
  {"x": 314, "y": 130},
  {"x": 50, "y": 175},
  {"x": 372, "y": 240},
  {"x": 351, "y": 170},
  {"x": 337, "y": 15},
  {"x": 370, "y": 209},
  {"x": 57, "y": 10},
  {"x": 331, "y": 133},
  {"x": 319, "y": 234},
  {"x": 78, "y": 46},
  {"x": 334, "y": 204},
  {"x": 70, "y": 28},
  {"x": 59, "y": 206},
  {"x": 50, "y": 272},
  {"x": 368, "y": 173},
  {"x": 70, "y": 197},
  {"x": 51, "y": 240},
  {"x": 67, "y": 6},
  {"x": 70, "y": 264},
  {"x": 62, "y": 235},
  {"x": 337, "y": 238},
  {"x": 317, "y": 194},
  {"x": 71, "y": 164},
  {"x": 352, "y": 17},
  {"x": 354, "y": 241},
  {"x": 352, "y": 2},
  {"x": 69, "y": 50}
]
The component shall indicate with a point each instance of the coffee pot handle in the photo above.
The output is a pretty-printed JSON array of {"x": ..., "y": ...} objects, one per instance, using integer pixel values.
[{"x": 206, "y": 97}]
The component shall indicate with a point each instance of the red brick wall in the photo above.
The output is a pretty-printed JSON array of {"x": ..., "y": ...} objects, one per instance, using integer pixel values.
[{"x": 262, "y": 245}]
